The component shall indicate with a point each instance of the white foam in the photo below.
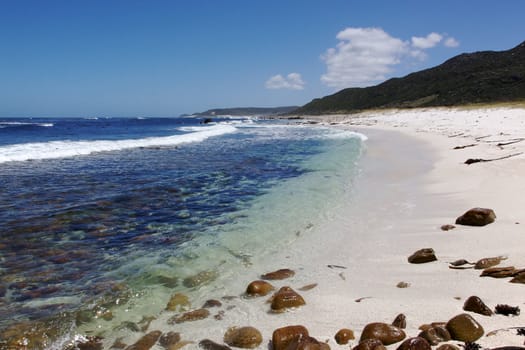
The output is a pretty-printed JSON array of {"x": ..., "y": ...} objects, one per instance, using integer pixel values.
[
  {"x": 66, "y": 148},
  {"x": 14, "y": 124}
]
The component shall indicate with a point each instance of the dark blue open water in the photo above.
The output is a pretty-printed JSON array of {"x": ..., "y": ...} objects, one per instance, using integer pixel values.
[{"x": 82, "y": 200}]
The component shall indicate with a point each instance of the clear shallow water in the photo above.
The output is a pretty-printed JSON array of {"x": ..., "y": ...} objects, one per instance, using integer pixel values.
[{"x": 103, "y": 236}]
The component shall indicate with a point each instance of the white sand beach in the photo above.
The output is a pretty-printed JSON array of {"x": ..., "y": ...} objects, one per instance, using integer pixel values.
[{"x": 423, "y": 183}]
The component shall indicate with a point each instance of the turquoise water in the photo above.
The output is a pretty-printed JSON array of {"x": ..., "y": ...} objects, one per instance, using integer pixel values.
[{"x": 95, "y": 241}]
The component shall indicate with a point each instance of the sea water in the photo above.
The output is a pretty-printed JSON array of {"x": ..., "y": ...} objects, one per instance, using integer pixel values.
[{"x": 102, "y": 220}]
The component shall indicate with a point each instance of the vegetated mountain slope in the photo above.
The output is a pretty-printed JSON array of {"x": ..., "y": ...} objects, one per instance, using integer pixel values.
[{"x": 480, "y": 77}]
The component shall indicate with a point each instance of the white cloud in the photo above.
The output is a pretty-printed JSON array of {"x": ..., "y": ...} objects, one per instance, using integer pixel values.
[
  {"x": 451, "y": 42},
  {"x": 362, "y": 56},
  {"x": 365, "y": 56},
  {"x": 427, "y": 42},
  {"x": 292, "y": 81}
]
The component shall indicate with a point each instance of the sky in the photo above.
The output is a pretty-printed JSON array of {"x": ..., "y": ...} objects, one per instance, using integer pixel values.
[{"x": 156, "y": 58}]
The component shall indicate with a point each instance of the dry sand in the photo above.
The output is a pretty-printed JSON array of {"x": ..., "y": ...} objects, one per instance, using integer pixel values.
[{"x": 409, "y": 219}]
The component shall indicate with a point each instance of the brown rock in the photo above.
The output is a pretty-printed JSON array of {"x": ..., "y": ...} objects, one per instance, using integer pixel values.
[
  {"x": 308, "y": 343},
  {"x": 416, "y": 343},
  {"x": 259, "y": 288},
  {"x": 447, "y": 227},
  {"x": 178, "y": 302},
  {"x": 518, "y": 278},
  {"x": 169, "y": 339},
  {"x": 464, "y": 328},
  {"x": 278, "y": 275},
  {"x": 400, "y": 321},
  {"x": 207, "y": 344},
  {"x": 435, "y": 334},
  {"x": 282, "y": 337},
  {"x": 447, "y": 347},
  {"x": 190, "y": 316},
  {"x": 475, "y": 304},
  {"x": 386, "y": 333},
  {"x": 343, "y": 336},
  {"x": 91, "y": 343},
  {"x": 211, "y": 303},
  {"x": 422, "y": 256},
  {"x": 286, "y": 298},
  {"x": 146, "y": 342},
  {"x": 485, "y": 263},
  {"x": 243, "y": 337},
  {"x": 370, "y": 344},
  {"x": 499, "y": 272},
  {"x": 403, "y": 285},
  {"x": 477, "y": 217}
]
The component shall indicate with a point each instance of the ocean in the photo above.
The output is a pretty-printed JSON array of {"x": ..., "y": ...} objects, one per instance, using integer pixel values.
[{"x": 102, "y": 220}]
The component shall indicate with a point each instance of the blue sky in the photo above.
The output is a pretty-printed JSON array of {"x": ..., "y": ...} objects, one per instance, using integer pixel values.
[{"x": 163, "y": 58}]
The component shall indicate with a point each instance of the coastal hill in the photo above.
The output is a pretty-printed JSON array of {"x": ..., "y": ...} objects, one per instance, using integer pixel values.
[
  {"x": 247, "y": 111},
  {"x": 469, "y": 78}
]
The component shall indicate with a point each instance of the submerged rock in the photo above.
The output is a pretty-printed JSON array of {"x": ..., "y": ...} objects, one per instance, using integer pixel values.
[
  {"x": 169, "y": 339},
  {"x": 190, "y": 316},
  {"x": 243, "y": 337},
  {"x": 278, "y": 275},
  {"x": 146, "y": 342},
  {"x": 207, "y": 344},
  {"x": 383, "y": 332},
  {"x": 464, "y": 328},
  {"x": 178, "y": 302},
  {"x": 211, "y": 303},
  {"x": 477, "y": 217},
  {"x": 203, "y": 277},
  {"x": 475, "y": 304},
  {"x": 286, "y": 298},
  {"x": 422, "y": 256},
  {"x": 283, "y": 337},
  {"x": 343, "y": 336},
  {"x": 259, "y": 288}
]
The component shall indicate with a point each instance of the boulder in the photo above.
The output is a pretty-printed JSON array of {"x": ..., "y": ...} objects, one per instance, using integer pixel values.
[
  {"x": 211, "y": 303},
  {"x": 400, "y": 321},
  {"x": 464, "y": 328},
  {"x": 370, "y": 344},
  {"x": 278, "y": 275},
  {"x": 259, "y": 288},
  {"x": 343, "y": 336},
  {"x": 518, "y": 278},
  {"x": 475, "y": 304},
  {"x": 286, "y": 298},
  {"x": 243, "y": 337},
  {"x": 477, "y": 217},
  {"x": 282, "y": 337},
  {"x": 416, "y": 343},
  {"x": 308, "y": 343},
  {"x": 435, "y": 334},
  {"x": 383, "y": 332},
  {"x": 422, "y": 256}
]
